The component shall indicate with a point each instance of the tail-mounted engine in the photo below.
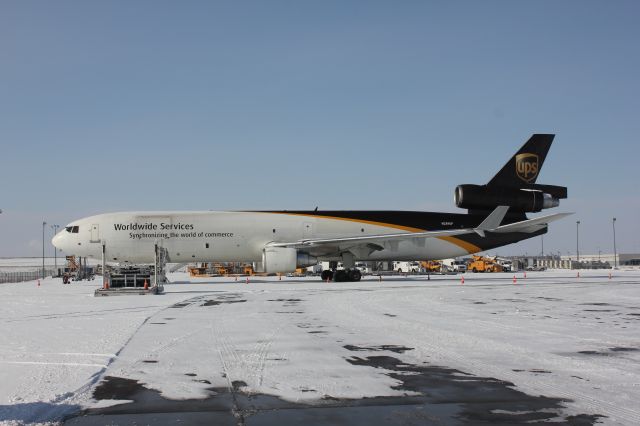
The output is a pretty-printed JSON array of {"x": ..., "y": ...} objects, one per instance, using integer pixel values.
[{"x": 529, "y": 198}]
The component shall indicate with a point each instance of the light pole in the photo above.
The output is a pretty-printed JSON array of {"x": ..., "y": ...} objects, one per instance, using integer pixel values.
[
  {"x": 615, "y": 253},
  {"x": 55, "y": 249},
  {"x": 43, "y": 225},
  {"x": 577, "y": 246}
]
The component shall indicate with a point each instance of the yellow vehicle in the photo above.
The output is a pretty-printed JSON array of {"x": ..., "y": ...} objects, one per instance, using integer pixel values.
[
  {"x": 300, "y": 272},
  {"x": 199, "y": 271},
  {"x": 431, "y": 265},
  {"x": 208, "y": 270},
  {"x": 484, "y": 264},
  {"x": 222, "y": 269}
]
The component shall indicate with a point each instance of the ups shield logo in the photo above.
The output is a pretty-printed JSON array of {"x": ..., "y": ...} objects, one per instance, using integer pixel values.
[{"x": 527, "y": 167}]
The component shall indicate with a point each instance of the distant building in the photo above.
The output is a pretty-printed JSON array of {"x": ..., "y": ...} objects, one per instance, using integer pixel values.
[
  {"x": 587, "y": 261},
  {"x": 624, "y": 259}
]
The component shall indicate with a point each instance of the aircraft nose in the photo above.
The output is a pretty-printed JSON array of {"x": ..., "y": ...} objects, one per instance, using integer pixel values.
[{"x": 58, "y": 241}]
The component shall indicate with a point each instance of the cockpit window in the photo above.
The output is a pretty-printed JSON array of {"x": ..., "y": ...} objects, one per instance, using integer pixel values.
[
  {"x": 72, "y": 229},
  {"x": 68, "y": 228}
]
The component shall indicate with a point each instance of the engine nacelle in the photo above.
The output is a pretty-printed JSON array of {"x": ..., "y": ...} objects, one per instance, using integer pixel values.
[
  {"x": 285, "y": 259},
  {"x": 482, "y": 197}
]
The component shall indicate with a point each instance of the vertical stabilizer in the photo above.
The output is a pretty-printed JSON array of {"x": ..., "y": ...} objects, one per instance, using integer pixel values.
[{"x": 525, "y": 165}]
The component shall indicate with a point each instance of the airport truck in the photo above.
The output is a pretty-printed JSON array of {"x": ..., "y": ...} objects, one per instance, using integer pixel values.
[
  {"x": 407, "y": 267},
  {"x": 455, "y": 265},
  {"x": 484, "y": 264}
]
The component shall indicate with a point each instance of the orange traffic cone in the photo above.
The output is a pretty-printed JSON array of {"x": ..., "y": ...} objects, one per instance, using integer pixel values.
[
  {"x": 514, "y": 279},
  {"x": 146, "y": 284},
  {"x": 525, "y": 274},
  {"x": 462, "y": 279},
  {"x": 609, "y": 275},
  {"x": 247, "y": 280},
  {"x": 106, "y": 285}
]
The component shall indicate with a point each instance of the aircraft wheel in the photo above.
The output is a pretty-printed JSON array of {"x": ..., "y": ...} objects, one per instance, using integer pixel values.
[
  {"x": 354, "y": 275},
  {"x": 340, "y": 276},
  {"x": 474, "y": 270},
  {"x": 327, "y": 274}
]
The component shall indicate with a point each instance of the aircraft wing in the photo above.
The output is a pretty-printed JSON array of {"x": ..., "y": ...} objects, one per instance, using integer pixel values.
[
  {"x": 376, "y": 242},
  {"x": 372, "y": 238},
  {"x": 364, "y": 245}
]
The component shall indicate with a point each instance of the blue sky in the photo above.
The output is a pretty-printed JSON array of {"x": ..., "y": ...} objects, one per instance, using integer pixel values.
[{"x": 108, "y": 106}]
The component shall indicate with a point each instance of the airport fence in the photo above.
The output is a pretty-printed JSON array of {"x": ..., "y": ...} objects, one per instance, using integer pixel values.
[{"x": 20, "y": 276}]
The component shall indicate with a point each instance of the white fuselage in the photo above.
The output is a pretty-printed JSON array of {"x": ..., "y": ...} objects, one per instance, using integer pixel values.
[{"x": 229, "y": 236}]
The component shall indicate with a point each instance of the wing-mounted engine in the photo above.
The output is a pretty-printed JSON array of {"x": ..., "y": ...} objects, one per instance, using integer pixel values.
[
  {"x": 285, "y": 259},
  {"x": 528, "y": 198}
]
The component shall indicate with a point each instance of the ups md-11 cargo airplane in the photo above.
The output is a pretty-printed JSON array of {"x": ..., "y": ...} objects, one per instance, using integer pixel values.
[{"x": 281, "y": 241}]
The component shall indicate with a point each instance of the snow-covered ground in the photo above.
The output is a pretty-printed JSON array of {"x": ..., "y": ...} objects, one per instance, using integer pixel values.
[{"x": 305, "y": 341}]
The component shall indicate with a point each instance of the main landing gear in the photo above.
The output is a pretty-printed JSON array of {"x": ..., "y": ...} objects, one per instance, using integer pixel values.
[{"x": 341, "y": 275}]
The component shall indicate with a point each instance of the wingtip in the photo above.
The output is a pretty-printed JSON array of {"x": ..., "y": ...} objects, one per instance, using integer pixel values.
[{"x": 492, "y": 221}]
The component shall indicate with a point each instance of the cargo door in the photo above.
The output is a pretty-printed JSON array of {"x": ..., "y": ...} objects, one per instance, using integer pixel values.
[{"x": 95, "y": 233}]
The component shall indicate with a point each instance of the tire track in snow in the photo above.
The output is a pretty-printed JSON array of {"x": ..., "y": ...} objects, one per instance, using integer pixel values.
[
  {"x": 250, "y": 367},
  {"x": 55, "y": 413},
  {"x": 83, "y": 393}
]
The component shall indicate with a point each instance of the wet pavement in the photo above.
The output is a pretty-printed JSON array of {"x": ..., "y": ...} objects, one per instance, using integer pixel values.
[{"x": 434, "y": 396}]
